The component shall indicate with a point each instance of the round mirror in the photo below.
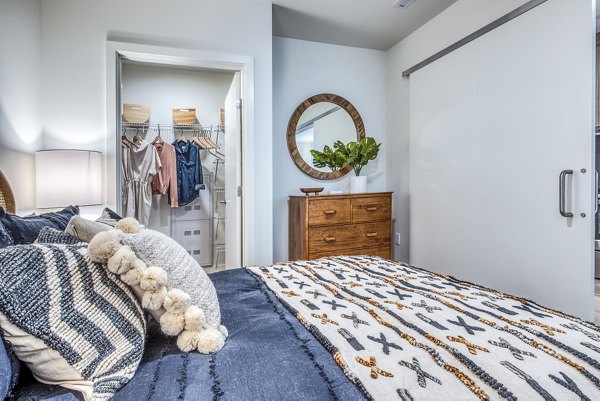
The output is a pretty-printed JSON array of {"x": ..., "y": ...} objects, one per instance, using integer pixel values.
[{"x": 322, "y": 120}]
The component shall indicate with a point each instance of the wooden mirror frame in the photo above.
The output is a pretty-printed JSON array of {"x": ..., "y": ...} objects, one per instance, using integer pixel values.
[{"x": 291, "y": 134}]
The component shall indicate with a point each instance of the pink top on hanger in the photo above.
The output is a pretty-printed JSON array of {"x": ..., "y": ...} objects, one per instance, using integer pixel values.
[{"x": 166, "y": 180}]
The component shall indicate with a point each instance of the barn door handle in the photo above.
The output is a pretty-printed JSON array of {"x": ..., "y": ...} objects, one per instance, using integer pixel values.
[
  {"x": 562, "y": 193},
  {"x": 596, "y": 193}
]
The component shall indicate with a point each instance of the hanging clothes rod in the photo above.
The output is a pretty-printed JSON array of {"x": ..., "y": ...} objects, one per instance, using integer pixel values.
[
  {"x": 194, "y": 127},
  {"x": 201, "y": 135},
  {"x": 478, "y": 33}
]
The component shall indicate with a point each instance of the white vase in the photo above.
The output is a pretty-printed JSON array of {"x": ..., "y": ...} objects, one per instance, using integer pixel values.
[{"x": 358, "y": 184}]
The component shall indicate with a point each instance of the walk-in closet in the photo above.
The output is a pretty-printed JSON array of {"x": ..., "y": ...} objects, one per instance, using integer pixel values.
[{"x": 180, "y": 139}]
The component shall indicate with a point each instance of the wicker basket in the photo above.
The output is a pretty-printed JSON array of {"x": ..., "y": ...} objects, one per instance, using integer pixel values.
[{"x": 7, "y": 198}]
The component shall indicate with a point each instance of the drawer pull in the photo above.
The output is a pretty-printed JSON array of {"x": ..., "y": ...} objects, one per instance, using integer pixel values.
[
  {"x": 329, "y": 239},
  {"x": 371, "y": 208},
  {"x": 329, "y": 212},
  {"x": 371, "y": 235}
]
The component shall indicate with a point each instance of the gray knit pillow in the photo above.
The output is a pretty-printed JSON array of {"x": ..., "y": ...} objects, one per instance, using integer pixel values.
[
  {"x": 49, "y": 235},
  {"x": 167, "y": 279},
  {"x": 183, "y": 272},
  {"x": 71, "y": 321}
]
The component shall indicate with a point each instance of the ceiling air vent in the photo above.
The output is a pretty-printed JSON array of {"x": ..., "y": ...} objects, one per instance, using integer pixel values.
[{"x": 402, "y": 3}]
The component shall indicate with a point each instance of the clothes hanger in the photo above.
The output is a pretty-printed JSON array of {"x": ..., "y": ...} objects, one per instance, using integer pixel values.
[
  {"x": 158, "y": 139},
  {"x": 181, "y": 137},
  {"x": 197, "y": 140},
  {"x": 137, "y": 139},
  {"x": 125, "y": 141},
  {"x": 209, "y": 143}
]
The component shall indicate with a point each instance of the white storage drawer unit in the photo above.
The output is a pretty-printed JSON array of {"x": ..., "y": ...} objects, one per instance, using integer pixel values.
[
  {"x": 195, "y": 236},
  {"x": 192, "y": 225}
]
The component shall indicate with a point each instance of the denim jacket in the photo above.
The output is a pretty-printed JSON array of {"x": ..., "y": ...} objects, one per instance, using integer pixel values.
[{"x": 189, "y": 172}]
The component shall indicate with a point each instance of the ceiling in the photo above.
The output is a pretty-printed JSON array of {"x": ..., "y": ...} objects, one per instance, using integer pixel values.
[{"x": 372, "y": 24}]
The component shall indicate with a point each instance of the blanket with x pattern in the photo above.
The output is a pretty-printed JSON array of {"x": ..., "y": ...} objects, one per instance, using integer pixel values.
[{"x": 404, "y": 333}]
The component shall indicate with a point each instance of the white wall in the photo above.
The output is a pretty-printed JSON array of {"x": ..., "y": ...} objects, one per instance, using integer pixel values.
[
  {"x": 20, "y": 123},
  {"x": 302, "y": 69},
  {"x": 74, "y": 36},
  {"x": 452, "y": 24},
  {"x": 163, "y": 88}
]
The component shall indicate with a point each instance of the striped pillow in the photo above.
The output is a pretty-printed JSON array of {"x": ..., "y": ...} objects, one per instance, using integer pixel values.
[
  {"x": 70, "y": 320},
  {"x": 49, "y": 235}
]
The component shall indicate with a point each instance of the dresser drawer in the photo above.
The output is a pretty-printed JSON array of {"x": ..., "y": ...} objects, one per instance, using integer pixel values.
[
  {"x": 371, "y": 209},
  {"x": 328, "y": 211},
  {"x": 347, "y": 224},
  {"x": 332, "y": 238}
]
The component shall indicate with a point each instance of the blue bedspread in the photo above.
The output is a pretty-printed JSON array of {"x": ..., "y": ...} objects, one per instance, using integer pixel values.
[{"x": 269, "y": 355}]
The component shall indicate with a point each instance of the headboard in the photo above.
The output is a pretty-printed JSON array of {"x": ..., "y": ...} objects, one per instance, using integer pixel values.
[{"x": 7, "y": 198}]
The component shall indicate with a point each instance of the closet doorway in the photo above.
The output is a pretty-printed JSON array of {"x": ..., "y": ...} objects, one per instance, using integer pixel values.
[{"x": 162, "y": 105}]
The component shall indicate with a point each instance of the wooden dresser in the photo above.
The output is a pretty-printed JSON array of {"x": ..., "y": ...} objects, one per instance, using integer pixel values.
[{"x": 329, "y": 225}]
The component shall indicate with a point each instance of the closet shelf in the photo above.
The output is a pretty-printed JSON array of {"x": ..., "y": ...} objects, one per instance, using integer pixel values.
[
  {"x": 192, "y": 127},
  {"x": 126, "y": 124}
]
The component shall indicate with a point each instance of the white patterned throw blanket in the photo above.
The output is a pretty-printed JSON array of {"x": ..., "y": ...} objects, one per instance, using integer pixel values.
[{"x": 403, "y": 333}]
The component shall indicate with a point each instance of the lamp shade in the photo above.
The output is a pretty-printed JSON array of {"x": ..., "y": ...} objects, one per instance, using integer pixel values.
[{"x": 68, "y": 177}]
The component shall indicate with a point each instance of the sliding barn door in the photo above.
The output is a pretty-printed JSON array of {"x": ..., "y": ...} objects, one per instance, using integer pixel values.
[{"x": 492, "y": 127}]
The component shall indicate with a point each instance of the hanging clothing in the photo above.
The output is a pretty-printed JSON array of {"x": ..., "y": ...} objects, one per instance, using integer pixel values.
[
  {"x": 165, "y": 182},
  {"x": 139, "y": 166},
  {"x": 189, "y": 172}
]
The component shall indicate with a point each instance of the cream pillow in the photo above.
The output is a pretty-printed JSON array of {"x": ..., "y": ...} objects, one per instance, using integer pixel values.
[
  {"x": 84, "y": 230},
  {"x": 169, "y": 282}
]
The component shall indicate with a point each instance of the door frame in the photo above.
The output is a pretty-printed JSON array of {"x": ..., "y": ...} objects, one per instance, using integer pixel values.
[{"x": 182, "y": 57}]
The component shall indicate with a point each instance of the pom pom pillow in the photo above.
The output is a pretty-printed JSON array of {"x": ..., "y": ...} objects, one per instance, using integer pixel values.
[
  {"x": 74, "y": 323},
  {"x": 169, "y": 282}
]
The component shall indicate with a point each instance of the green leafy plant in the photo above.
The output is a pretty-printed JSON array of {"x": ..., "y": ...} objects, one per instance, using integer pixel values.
[
  {"x": 328, "y": 158},
  {"x": 358, "y": 154}
]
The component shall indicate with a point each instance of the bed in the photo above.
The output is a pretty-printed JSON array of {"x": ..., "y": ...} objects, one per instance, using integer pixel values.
[
  {"x": 269, "y": 355},
  {"x": 358, "y": 327}
]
